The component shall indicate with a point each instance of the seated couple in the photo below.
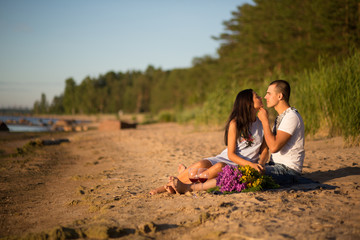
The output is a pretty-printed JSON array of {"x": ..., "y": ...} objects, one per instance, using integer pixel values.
[{"x": 249, "y": 139}]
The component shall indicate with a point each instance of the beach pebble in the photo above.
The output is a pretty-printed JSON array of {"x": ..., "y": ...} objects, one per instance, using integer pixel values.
[{"x": 147, "y": 228}]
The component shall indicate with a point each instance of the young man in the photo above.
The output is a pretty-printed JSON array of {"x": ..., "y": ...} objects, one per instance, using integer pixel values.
[{"x": 286, "y": 141}]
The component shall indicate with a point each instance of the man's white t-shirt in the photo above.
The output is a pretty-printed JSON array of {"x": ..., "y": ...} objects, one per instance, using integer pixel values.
[{"x": 292, "y": 154}]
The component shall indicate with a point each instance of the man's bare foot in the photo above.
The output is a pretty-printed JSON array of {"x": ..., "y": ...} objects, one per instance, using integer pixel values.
[
  {"x": 181, "y": 168},
  {"x": 178, "y": 186}
]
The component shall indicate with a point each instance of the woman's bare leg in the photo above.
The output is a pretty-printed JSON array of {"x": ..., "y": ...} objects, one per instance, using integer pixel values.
[
  {"x": 181, "y": 168},
  {"x": 213, "y": 171},
  {"x": 180, "y": 187},
  {"x": 183, "y": 187},
  {"x": 183, "y": 176}
]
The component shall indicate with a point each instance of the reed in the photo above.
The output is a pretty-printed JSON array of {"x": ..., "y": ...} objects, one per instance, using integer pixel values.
[
  {"x": 327, "y": 97},
  {"x": 218, "y": 105},
  {"x": 330, "y": 96}
]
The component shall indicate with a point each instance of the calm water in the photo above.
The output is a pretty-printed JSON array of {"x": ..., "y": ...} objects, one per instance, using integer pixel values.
[
  {"x": 37, "y": 124},
  {"x": 24, "y": 128}
]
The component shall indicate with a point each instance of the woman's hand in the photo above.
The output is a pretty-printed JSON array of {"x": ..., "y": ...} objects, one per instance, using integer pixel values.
[{"x": 258, "y": 167}]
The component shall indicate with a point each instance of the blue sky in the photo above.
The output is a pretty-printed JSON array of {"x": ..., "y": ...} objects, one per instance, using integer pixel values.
[{"x": 44, "y": 42}]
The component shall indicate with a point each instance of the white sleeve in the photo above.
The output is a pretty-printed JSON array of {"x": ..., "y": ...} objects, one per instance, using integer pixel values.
[{"x": 289, "y": 123}]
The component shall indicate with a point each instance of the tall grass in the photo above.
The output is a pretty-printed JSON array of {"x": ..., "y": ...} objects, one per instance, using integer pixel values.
[
  {"x": 330, "y": 97},
  {"x": 219, "y": 103}
]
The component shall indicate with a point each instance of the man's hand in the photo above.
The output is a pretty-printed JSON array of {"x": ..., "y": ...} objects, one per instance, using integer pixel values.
[{"x": 263, "y": 115}]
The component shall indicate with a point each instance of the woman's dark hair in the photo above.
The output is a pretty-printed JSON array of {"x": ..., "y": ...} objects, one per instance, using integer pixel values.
[{"x": 242, "y": 114}]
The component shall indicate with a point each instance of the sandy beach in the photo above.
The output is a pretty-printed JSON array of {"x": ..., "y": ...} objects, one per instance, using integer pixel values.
[{"x": 97, "y": 185}]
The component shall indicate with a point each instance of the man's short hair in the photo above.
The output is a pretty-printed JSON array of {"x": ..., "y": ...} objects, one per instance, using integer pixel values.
[{"x": 283, "y": 87}]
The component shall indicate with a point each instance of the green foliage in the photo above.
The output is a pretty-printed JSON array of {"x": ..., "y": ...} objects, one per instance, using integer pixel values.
[
  {"x": 41, "y": 106},
  {"x": 217, "y": 106},
  {"x": 277, "y": 35},
  {"x": 330, "y": 96},
  {"x": 29, "y": 147},
  {"x": 166, "y": 116},
  {"x": 261, "y": 42},
  {"x": 188, "y": 114},
  {"x": 70, "y": 96},
  {"x": 57, "y": 105}
]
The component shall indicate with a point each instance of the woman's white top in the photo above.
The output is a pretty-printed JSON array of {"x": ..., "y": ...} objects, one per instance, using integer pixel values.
[{"x": 250, "y": 153}]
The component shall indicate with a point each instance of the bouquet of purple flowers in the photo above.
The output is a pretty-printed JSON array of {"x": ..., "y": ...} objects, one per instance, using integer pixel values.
[{"x": 242, "y": 179}]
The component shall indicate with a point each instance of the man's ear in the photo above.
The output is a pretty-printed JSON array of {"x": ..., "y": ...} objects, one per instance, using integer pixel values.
[{"x": 281, "y": 96}]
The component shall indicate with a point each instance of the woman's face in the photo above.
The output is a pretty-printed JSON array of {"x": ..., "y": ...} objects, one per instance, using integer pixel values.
[{"x": 257, "y": 101}]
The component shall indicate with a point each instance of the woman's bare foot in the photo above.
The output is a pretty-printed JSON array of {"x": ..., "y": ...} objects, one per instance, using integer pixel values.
[
  {"x": 178, "y": 186},
  {"x": 167, "y": 188},
  {"x": 158, "y": 190},
  {"x": 170, "y": 189},
  {"x": 181, "y": 168}
]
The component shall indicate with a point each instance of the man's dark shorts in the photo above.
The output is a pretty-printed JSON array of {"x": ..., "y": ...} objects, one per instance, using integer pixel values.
[{"x": 282, "y": 174}]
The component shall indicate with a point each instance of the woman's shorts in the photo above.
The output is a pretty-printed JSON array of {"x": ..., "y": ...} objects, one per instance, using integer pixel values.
[{"x": 215, "y": 160}]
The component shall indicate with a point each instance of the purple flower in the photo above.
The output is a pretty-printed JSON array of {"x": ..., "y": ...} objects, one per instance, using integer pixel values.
[{"x": 229, "y": 180}]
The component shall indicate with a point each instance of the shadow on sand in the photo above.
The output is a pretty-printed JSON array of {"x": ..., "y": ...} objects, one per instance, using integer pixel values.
[
  {"x": 333, "y": 174},
  {"x": 315, "y": 180}
]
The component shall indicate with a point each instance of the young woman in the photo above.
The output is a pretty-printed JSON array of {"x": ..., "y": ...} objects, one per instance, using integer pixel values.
[{"x": 244, "y": 138}]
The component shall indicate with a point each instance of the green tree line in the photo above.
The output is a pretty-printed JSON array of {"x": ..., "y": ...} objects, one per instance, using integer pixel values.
[{"x": 262, "y": 41}]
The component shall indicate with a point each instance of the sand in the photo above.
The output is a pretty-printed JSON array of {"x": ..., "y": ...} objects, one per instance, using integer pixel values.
[{"x": 97, "y": 186}]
